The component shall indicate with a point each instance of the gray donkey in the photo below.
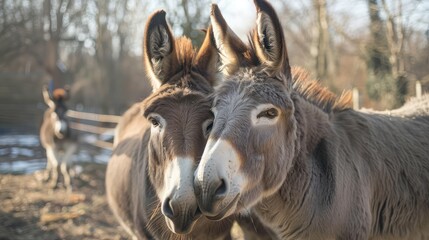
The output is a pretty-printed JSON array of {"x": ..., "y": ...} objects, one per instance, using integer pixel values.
[
  {"x": 59, "y": 141},
  {"x": 159, "y": 141},
  {"x": 299, "y": 157}
]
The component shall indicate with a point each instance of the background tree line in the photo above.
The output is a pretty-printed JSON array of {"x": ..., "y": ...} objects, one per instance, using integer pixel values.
[{"x": 94, "y": 46}]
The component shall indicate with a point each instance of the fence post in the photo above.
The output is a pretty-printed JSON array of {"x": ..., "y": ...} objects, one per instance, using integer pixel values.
[
  {"x": 355, "y": 99},
  {"x": 418, "y": 89}
]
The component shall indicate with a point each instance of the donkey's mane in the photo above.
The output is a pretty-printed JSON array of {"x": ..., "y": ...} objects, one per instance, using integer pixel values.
[
  {"x": 314, "y": 92},
  {"x": 185, "y": 54}
]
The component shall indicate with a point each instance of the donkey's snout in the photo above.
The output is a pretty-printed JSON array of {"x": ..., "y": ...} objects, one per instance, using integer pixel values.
[
  {"x": 209, "y": 197},
  {"x": 179, "y": 218},
  {"x": 168, "y": 208}
]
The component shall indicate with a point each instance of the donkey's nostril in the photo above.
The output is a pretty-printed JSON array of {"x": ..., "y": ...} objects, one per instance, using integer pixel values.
[
  {"x": 197, "y": 213},
  {"x": 197, "y": 189},
  {"x": 167, "y": 208},
  {"x": 221, "y": 189}
]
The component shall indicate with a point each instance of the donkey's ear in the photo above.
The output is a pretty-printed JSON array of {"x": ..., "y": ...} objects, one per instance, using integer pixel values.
[
  {"x": 158, "y": 50},
  {"x": 207, "y": 58},
  {"x": 229, "y": 45},
  {"x": 47, "y": 97},
  {"x": 269, "y": 41}
]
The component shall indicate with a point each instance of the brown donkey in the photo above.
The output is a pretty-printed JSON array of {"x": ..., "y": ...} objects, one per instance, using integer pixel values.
[
  {"x": 56, "y": 137},
  {"x": 308, "y": 165},
  {"x": 158, "y": 142}
]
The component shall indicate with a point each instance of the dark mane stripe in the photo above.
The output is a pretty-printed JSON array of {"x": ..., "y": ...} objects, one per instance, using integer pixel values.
[
  {"x": 314, "y": 92},
  {"x": 185, "y": 54}
]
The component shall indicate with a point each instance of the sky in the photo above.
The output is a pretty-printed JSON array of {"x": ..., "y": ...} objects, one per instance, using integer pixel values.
[{"x": 241, "y": 14}]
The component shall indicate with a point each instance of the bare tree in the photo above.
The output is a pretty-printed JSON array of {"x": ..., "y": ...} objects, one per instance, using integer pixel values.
[
  {"x": 325, "y": 64},
  {"x": 386, "y": 51},
  {"x": 188, "y": 17},
  {"x": 380, "y": 81}
]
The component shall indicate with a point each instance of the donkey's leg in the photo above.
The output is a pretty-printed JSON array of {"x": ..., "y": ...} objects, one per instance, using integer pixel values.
[
  {"x": 50, "y": 157},
  {"x": 54, "y": 170},
  {"x": 47, "y": 171},
  {"x": 64, "y": 166},
  {"x": 64, "y": 171}
]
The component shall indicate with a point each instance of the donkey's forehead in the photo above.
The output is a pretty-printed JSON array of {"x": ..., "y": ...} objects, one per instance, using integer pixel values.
[
  {"x": 176, "y": 100},
  {"x": 252, "y": 89}
]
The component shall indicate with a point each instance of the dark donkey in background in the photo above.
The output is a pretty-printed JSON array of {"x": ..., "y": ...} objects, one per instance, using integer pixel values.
[
  {"x": 158, "y": 142},
  {"x": 56, "y": 137},
  {"x": 308, "y": 165}
]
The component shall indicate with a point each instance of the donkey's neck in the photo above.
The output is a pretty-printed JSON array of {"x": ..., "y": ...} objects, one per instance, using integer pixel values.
[
  {"x": 343, "y": 159},
  {"x": 309, "y": 176}
]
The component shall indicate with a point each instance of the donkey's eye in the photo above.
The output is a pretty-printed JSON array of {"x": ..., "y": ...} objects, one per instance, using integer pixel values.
[
  {"x": 207, "y": 127},
  {"x": 269, "y": 113},
  {"x": 154, "y": 121}
]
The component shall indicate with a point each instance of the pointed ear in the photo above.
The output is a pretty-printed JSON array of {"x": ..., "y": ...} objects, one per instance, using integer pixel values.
[
  {"x": 231, "y": 48},
  {"x": 207, "y": 58},
  {"x": 158, "y": 50},
  {"x": 269, "y": 41},
  {"x": 47, "y": 97}
]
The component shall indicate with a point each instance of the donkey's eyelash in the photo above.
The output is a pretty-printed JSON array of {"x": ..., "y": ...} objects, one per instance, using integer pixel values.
[
  {"x": 154, "y": 121},
  {"x": 269, "y": 113}
]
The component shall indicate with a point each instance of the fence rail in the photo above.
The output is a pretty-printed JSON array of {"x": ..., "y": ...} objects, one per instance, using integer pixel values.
[
  {"x": 91, "y": 129},
  {"x": 93, "y": 116},
  {"x": 83, "y": 127}
]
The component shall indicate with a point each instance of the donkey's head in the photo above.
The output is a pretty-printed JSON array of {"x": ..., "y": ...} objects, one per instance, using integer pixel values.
[
  {"x": 245, "y": 157},
  {"x": 58, "y": 110},
  {"x": 180, "y": 117}
]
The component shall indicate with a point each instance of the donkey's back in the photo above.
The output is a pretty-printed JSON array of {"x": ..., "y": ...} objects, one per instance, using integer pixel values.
[
  {"x": 389, "y": 152},
  {"x": 412, "y": 108}
]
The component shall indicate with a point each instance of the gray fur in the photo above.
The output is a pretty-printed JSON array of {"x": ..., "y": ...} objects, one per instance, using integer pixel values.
[
  {"x": 339, "y": 175},
  {"x": 323, "y": 171}
]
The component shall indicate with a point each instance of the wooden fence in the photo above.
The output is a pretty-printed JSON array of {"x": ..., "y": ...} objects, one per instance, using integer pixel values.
[
  {"x": 356, "y": 98},
  {"x": 90, "y": 128}
]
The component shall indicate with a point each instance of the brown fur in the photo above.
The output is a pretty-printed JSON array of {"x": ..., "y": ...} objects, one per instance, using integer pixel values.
[
  {"x": 135, "y": 179},
  {"x": 313, "y": 92},
  {"x": 60, "y": 143},
  {"x": 320, "y": 170}
]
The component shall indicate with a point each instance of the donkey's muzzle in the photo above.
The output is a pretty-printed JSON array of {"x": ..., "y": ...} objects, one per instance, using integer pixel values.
[
  {"x": 210, "y": 197},
  {"x": 180, "y": 222}
]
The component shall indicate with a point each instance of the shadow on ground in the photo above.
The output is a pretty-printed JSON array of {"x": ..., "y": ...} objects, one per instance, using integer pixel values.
[{"x": 30, "y": 210}]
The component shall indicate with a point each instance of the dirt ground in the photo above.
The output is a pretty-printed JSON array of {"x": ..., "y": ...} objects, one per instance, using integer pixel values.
[{"x": 30, "y": 210}]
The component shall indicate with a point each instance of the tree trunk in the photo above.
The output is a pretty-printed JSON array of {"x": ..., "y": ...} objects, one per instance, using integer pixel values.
[{"x": 325, "y": 64}]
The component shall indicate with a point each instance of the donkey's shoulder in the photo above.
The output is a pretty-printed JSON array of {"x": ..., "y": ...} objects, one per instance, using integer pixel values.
[{"x": 131, "y": 123}]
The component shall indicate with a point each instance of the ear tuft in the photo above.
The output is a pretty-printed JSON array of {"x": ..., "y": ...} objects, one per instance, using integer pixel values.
[
  {"x": 229, "y": 45},
  {"x": 158, "y": 47},
  {"x": 207, "y": 58},
  {"x": 270, "y": 44},
  {"x": 266, "y": 36}
]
